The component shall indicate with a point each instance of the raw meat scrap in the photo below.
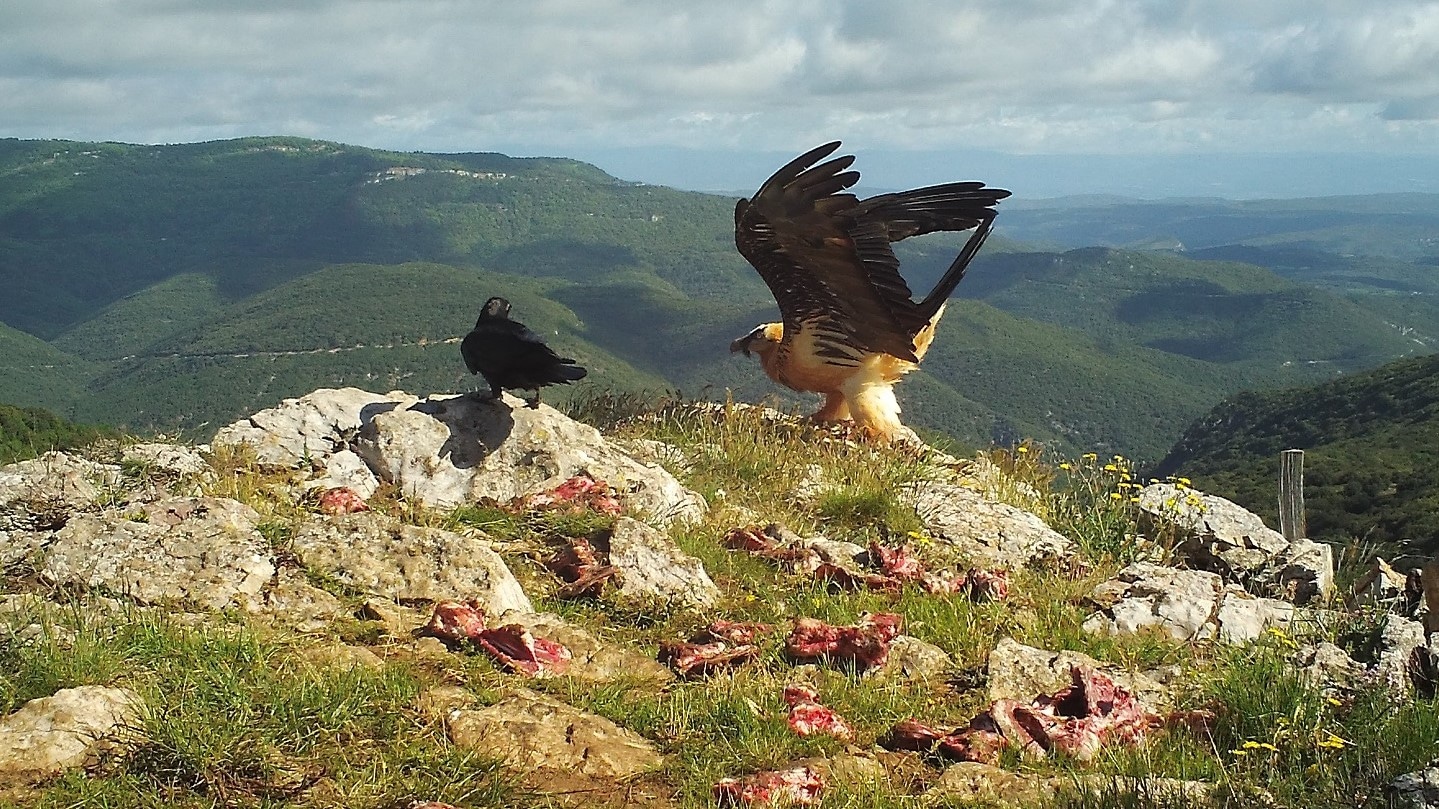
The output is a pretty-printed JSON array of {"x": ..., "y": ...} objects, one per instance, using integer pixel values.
[
  {"x": 808, "y": 717},
  {"x": 512, "y": 646},
  {"x": 800, "y": 786},
  {"x": 342, "y": 500},
  {"x": 1077, "y": 720},
  {"x": 580, "y": 567},
  {"x": 699, "y": 658},
  {"x": 579, "y": 493},
  {"x": 865, "y": 644}
]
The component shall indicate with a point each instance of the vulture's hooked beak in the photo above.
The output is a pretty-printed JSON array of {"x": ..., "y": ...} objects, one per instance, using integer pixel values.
[{"x": 742, "y": 344}]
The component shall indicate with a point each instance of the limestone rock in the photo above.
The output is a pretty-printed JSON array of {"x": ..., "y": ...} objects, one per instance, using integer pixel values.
[
  {"x": 292, "y": 601},
  {"x": 447, "y": 451},
  {"x": 19, "y": 546},
  {"x": 913, "y": 659},
  {"x": 1214, "y": 534},
  {"x": 175, "y": 459},
  {"x": 973, "y": 783},
  {"x": 991, "y": 534},
  {"x": 203, "y": 551},
  {"x": 1381, "y": 586},
  {"x": 1417, "y": 790},
  {"x": 41, "y": 493},
  {"x": 533, "y": 731},
  {"x": 345, "y": 468},
  {"x": 313, "y": 426},
  {"x": 1188, "y": 604},
  {"x": 377, "y": 554},
  {"x": 53, "y": 734},
  {"x": 651, "y": 566}
]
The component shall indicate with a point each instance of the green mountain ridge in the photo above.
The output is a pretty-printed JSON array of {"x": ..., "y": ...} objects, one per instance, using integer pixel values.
[
  {"x": 187, "y": 286},
  {"x": 1371, "y": 443}
]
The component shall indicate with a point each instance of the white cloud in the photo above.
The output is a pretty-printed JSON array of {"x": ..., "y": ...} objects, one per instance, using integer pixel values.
[{"x": 1055, "y": 76}]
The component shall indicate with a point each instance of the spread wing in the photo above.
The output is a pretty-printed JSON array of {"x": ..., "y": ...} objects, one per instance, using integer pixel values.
[{"x": 826, "y": 255}]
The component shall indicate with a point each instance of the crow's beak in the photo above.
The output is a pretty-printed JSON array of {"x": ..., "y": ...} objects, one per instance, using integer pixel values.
[{"x": 742, "y": 344}]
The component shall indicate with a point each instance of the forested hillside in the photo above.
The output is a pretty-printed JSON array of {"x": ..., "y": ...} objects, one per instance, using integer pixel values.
[
  {"x": 1371, "y": 445},
  {"x": 183, "y": 286},
  {"x": 26, "y": 432}
]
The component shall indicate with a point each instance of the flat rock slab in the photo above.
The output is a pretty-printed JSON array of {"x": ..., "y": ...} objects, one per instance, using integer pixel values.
[
  {"x": 991, "y": 534},
  {"x": 533, "y": 731},
  {"x": 42, "y": 493},
  {"x": 379, "y": 555},
  {"x": 53, "y": 734},
  {"x": 201, "y": 551}
]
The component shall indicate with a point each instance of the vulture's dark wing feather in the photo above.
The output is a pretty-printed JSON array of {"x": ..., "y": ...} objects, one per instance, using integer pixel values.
[{"x": 826, "y": 255}]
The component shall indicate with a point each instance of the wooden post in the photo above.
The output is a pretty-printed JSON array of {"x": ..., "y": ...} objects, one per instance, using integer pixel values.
[{"x": 1291, "y": 494}]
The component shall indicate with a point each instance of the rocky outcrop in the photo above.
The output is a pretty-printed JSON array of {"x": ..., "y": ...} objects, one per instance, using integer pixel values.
[
  {"x": 990, "y": 534},
  {"x": 652, "y": 567},
  {"x": 447, "y": 451},
  {"x": 378, "y": 555},
  {"x": 1418, "y": 789},
  {"x": 1211, "y": 533},
  {"x": 532, "y": 731},
  {"x": 41, "y": 493},
  {"x": 1187, "y": 604},
  {"x": 63, "y": 731},
  {"x": 200, "y": 551}
]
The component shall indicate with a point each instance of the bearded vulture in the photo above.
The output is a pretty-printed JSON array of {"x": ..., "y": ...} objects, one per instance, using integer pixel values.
[
  {"x": 509, "y": 355},
  {"x": 849, "y": 328}
]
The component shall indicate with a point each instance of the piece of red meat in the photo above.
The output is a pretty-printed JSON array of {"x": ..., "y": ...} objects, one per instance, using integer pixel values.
[
  {"x": 987, "y": 585},
  {"x": 807, "y": 717},
  {"x": 865, "y": 644},
  {"x": 580, "y": 567},
  {"x": 1078, "y": 720},
  {"x": 456, "y": 621},
  {"x": 800, "y": 786},
  {"x": 901, "y": 563},
  {"x": 700, "y": 658},
  {"x": 579, "y": 493},
  {"x": 750, "y": 538},
  {"x": 767, "y": 544},
  {"x": 514, "y": 648},
  {"x": 981, "y": 740},
  {"x": 911, "y": 734},
  {"x": 342, "y": 500}
]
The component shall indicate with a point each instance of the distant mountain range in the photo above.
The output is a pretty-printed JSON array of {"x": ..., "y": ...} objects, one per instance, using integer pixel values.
[{"x": 179, "y": 287}]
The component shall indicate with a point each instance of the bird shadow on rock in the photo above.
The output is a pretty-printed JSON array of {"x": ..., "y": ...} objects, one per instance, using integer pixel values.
[
  {"x": 369, "y": 411},
  {"x": 478, "y": 426}
]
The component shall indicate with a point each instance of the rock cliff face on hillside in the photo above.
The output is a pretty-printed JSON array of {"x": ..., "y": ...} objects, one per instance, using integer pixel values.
[{"x": 369, "y": 485}]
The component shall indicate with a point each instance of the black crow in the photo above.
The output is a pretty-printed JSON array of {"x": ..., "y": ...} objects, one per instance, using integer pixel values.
[{"x": 508, "y": 355}]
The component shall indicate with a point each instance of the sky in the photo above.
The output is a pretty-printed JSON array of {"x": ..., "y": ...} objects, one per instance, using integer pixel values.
[{"x": 1152, "y": 98}]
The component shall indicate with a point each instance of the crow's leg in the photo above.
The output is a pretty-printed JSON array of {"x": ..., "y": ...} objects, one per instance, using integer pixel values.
[
  {"x": 496, "y": 392},
  {"x": 535, "y": 402}
]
